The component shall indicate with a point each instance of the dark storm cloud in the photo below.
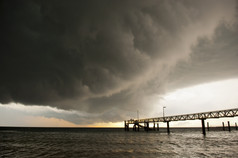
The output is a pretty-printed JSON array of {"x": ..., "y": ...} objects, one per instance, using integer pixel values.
[
  {"x": 98, "y": 56},
  {"x": 212, "y": 59}
]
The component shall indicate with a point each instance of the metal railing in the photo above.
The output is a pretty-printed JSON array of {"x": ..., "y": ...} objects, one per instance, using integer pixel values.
[{"x": 194, "y": 116}]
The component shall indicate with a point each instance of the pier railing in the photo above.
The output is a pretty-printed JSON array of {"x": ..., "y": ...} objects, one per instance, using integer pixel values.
[{"x": 194, "y": 116}]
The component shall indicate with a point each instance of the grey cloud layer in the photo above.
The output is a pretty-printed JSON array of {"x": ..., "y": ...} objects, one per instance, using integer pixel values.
[
  {"x": 211, "y": 59},
  {"x": 99, "y": 56}
]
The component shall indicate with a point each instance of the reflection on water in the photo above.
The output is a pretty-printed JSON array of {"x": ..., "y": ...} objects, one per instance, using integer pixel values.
[{"x": 46, "y": 142}]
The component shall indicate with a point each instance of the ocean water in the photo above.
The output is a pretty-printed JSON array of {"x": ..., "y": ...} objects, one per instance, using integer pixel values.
[{"x": 82, "y": 142}]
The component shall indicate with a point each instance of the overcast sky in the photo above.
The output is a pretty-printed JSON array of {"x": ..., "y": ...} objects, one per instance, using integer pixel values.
[{"x": 90, "y": 63}]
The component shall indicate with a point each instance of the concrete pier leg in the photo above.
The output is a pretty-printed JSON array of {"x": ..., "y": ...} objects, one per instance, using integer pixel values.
[
  {"x": 138, "y": 127},
  {"x": 229, "y": 127},
  {"x": 168, "y": 131},
  {"x": 203, "y": 127},
  {"x": 148, "y": 126},
  {"x": 223, "y": 126},
  {"x": 154, "y": 126},
  {"x": 157, "y": 126},
  {"x": 208, "y": 126},
  {"x": 125, "y": 126},
  {"x": 236, "y": 125}
]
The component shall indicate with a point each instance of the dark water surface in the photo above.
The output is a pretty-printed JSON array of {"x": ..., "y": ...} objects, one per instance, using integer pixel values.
[{"x": 78, "y": 142}]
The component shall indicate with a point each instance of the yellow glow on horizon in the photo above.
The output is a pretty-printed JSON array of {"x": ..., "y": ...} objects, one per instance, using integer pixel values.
[
  {"x": 110, "y": 124},
  {"x": 41, "y": 121}
]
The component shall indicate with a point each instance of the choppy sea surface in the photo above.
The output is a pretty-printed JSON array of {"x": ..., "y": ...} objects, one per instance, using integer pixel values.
[{"x": 104, "y": 142}]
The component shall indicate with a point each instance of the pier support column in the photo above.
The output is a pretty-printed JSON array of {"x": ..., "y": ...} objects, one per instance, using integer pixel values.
[
  {"x": 207, "y": 126},
  {"x": 148, "y": 126},
  {"x": 157, "y": 126},
  {"x": 168, "y": 131},
  {"x": 203, "y": 127},
  {"x": 134, "y": 127},
  {"x": 125, "y": 126},
  {"x": 138, "y": 127},
  {"x": 223, "y": 126},
  {"x": 229, "y": 127},
  {"x": 236, "y": 125},
  {"x": 154, "y": 126}
]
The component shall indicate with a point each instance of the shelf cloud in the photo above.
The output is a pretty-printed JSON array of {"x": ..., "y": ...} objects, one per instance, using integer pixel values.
[{"x": 106, "y": 57}]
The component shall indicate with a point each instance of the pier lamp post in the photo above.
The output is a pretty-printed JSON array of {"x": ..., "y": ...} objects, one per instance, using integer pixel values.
[
  {"x": 163, "y": 110},
  {"x": 138, "y": 115}
]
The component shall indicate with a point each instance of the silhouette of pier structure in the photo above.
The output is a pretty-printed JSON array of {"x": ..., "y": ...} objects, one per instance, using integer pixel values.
[{"x": 144, "y": 123}]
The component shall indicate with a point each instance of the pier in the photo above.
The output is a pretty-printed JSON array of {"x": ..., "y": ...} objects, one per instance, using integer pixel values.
[{"x": 144, "y": 123}]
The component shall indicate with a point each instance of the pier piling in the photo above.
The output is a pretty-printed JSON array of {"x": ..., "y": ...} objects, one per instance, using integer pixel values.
[
  {"x": 203, "y": 127},
  {"x": 146, "y": 126},
  {"x": 168, "y": 131},
  {"x": 207, "y": 126},
  {"x": 229, "y": 127},
  {"x": 236, "y": 125},
  {"x": 223, "y": 126},
  {"x": 125, "y": 125},
  {"x": 157, "y": 126}
]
